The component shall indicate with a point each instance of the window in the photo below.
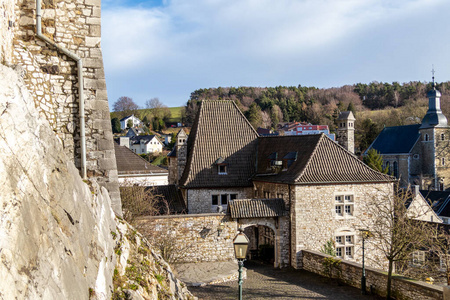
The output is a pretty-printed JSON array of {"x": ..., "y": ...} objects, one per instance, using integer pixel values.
[
  {"x": 442, "y": 137},
  {"x": 266, "y": 194},
  {"x": 343, "y": 205},
  {"x": 416, "y": 156},
  {"x": 215, "y": 199},
  {"x": 222, "y": 170},
  {"x": 395, "y": 171},
  {"x": 426, "y": 138},
  {"x": 233, "y": 196},
  {"x": 224, "y": 199},
  {"x": 345, "y": 246},
  {"x": 418, "y": 258},
  {"x": 443, "y": 161}
]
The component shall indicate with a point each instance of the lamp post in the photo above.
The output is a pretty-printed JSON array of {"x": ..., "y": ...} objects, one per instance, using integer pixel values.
[
  {"x": 365, "y": 233},
  {"x": 240, "y": 243}
]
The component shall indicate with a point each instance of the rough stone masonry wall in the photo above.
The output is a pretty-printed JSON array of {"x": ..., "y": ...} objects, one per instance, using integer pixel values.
[
  {"x": 51, "y": 77},
  {"x": 196, "y": 236},
  {"x": 376, "y": 280},
  {"x": 199, "y": 200},
  {"x": 314, "y": 222},
  {"x": 7, "y": 21}
]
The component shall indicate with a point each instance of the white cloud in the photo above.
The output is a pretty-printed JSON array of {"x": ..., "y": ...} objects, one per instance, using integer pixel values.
[{"x": 202, "y": 43}]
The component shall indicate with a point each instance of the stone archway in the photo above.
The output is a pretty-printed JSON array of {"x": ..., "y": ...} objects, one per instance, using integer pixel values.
[{"x": 266, "y": 232}]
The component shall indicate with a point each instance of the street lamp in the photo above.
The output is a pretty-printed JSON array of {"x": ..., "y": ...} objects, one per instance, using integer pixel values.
[
  {"x": 365, "y": 233},
  {"x": 240, "y": 243}
]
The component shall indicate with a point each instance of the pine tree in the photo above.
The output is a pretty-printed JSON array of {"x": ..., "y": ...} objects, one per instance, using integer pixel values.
[{"x": 374, "y": 160}]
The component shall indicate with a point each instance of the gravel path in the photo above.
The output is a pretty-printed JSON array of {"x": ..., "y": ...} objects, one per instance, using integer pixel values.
[{"x": 265, "y": 282}]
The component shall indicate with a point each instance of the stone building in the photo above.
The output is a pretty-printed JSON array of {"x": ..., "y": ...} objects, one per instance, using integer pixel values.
[
  {"x": 419, "y": 154},
  {"x": 346, "y": 130},
  {"x": 292, "y": 192},
  {"x": 177, "y": 157},
  {"x": 55, "y": 46}
]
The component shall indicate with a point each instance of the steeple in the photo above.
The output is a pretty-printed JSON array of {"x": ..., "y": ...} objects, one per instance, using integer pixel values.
[{"x": 434, "y": 116}]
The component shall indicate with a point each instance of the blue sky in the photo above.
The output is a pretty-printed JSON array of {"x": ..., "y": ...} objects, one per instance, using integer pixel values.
[{"x": 168, "y": 49}]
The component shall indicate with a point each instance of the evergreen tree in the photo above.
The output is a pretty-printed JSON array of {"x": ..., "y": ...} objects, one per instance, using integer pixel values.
[
  {"x": 374, "y": 160},
  {"x": 254, "y": 115},
  {"x": 351, "y": 108},
  {"x": 115, "y": 124}
]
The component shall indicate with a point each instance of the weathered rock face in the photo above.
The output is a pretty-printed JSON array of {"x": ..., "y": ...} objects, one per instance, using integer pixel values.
[{"x": 56, "y": 231}]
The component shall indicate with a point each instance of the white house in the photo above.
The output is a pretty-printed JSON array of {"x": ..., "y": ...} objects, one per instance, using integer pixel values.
[
  {"x": 143, "y": 144},
  {"x": 124, "y": 121}
]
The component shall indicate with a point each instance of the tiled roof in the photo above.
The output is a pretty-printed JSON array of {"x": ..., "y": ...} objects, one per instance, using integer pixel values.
[
  {"x": 220, "y": 130},
  {"x": 346, "y": 115},
  {"x": 169, "y": 195},
  {"x": 129, "y": 162},
  {"x": 138, "y": 138},
  {"x": 256, "y": 208},
  {"x": 396, "y": 139},
  {"x": 318, "y": 160},
  {"x": 439, "y": 201}
]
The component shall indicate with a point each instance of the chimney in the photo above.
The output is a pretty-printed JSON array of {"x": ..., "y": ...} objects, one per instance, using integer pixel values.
[
  {"x": 124, "y": 141},
  {"x": 415, "y": 190}
]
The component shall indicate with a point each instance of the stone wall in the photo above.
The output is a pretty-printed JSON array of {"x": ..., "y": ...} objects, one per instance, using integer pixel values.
[
  {"x": 376, "y": 280},
  {"x": 314, "y": 220},
  {"x": 196, "y": 236},
  {"x": 51, "y": 77},
  {"x": 7, "y": 23},
  {"x": 199, "y": 200}
]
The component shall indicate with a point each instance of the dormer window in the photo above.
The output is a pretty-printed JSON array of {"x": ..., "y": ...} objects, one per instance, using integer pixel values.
[
  {"x": 289, "y": 159},
  {"x": 222, "y": 166},
  {"x": 222, "y": 169}
]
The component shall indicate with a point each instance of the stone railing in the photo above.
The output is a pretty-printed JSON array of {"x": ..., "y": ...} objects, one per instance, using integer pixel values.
[{"x": 376, "y": 280}]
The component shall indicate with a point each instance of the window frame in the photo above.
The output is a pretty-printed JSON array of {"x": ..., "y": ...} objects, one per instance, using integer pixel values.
[{"x": 344, "y": 205}]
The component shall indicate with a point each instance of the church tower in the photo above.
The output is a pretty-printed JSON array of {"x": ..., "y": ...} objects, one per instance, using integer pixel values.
[
  {"x": 346, "y": 131},
  {"x": 434, "y": 137},
  {"x": 177, "y": 158}
]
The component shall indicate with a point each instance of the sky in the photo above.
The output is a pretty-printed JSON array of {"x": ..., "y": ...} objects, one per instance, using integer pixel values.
[{"x": 168, "y": 49}]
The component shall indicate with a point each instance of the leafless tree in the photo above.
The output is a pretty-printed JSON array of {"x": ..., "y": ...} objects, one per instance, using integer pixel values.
[
  {"x": 125, "y": 106},
  {"x": 396, "y": 231},
  {"x": 141, "y": 201},
  {"x": 158, "y": 109}
]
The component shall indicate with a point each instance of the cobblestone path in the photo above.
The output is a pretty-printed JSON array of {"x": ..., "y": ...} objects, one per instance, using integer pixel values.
[{"x": 264, "y": 282}]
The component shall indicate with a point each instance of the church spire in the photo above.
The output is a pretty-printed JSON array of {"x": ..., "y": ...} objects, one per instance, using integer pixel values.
[{"x": 434, "y": 116}]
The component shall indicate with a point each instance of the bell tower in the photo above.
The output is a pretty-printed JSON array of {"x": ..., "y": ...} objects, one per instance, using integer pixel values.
[{"x": 346, "y": 131}]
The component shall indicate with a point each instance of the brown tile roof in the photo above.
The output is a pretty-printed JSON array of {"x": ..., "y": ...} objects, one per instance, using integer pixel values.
[
  {"x": 169, "y": 195},
  {"x": 256, "y": 208},
  {"x": 220, "y": 130},
  {"x": 129, "y": 162},
  {"x": 318, "y": 160}
]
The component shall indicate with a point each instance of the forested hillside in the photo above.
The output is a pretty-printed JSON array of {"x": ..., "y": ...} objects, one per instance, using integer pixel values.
[{"x": 375, "y": 105}]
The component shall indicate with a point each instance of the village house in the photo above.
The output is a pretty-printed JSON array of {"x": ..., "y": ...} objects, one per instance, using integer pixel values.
[
  {"x": 134, "y": 170},
  {"x": 124, "y": 122},
  {"x": 418, "y": 154},
  {"x": 142, "y": 144},
  {"x": 291, "y": 192}
]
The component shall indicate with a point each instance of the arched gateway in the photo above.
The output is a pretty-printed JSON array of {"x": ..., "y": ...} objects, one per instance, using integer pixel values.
[{"x": 266, "y": 223}]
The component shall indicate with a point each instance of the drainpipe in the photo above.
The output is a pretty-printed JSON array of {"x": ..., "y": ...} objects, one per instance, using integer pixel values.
[{"x": 80, "y": 84}]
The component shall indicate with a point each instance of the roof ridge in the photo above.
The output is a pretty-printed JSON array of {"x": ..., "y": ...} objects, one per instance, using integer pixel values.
[
  {"x": 310, "y": 158},
  {"x": 242, "y": 115}
]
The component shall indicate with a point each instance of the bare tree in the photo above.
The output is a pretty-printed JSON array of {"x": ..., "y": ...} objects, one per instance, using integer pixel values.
[
  {"x": 396, "y": 231},
  {"x": 158, "y": 109},
  {"x": 125, "y": 106},
  {"x": 141, "y": 201}
]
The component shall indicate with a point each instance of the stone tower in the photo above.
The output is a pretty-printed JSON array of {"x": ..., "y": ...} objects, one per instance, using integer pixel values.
[
  {"x": 346, "y": 131},
  {"x": 177, "y": 158},
  {"x": 434, "y": 136}
]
